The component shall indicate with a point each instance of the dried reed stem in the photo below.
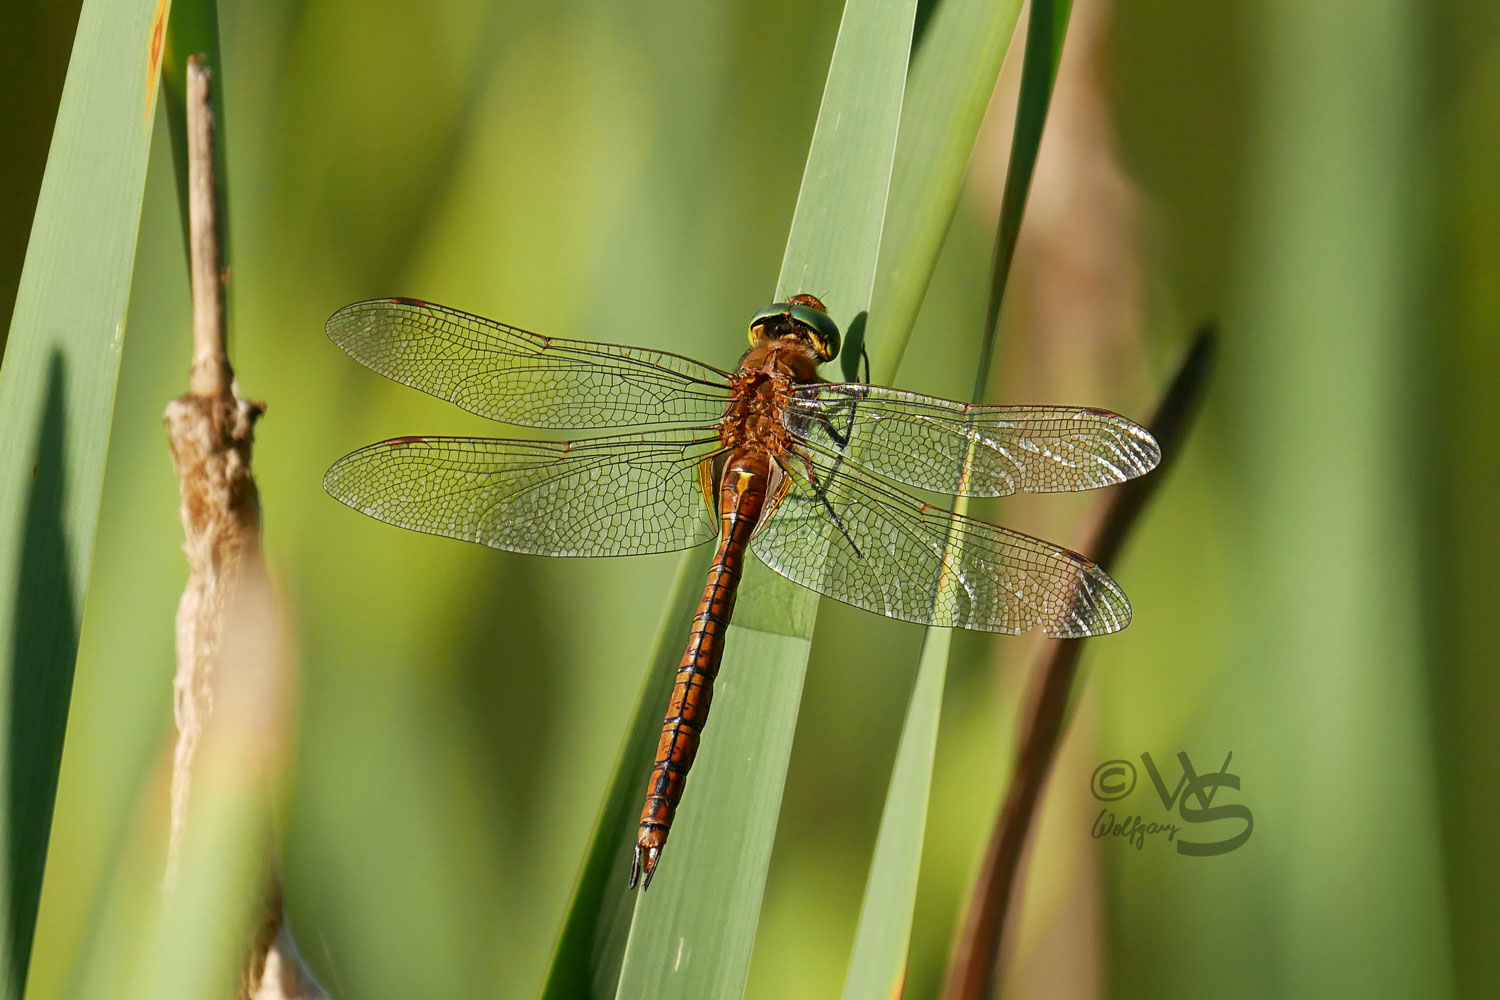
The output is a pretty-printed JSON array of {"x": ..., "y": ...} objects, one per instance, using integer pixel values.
[
  {"x": 210, "y": 375},
  {"x": 211, "y": 431},
  {"x": 972, "y": 968}
]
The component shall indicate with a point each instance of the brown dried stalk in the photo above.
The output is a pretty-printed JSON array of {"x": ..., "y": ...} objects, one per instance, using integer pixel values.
[
  {"x": 972, "y": 968},
  {"x": 210, "y": 432}
]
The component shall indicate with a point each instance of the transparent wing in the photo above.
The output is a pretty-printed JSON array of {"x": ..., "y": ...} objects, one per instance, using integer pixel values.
[
  {"x": 877, "y": 548},
  {"x": 923, "y": 441},
  {"x": 629, "y": 494},
  {"x": 503, "y": 373}
]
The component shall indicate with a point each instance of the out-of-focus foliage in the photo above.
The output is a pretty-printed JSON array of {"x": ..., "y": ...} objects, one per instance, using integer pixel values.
[
  {"x": 1312, "y": 590},
  {"x": 35, "y": 51}
]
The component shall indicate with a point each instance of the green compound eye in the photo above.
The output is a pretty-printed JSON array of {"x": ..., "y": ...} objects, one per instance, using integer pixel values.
[
  {"x": 775, "y": 310},
  {"x": 816, "y": 326},
  {"x": 822, "y": 331}
]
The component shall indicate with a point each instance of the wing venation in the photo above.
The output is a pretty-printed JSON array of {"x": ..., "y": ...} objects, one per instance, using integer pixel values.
[
  {"x": 629, "y": 494},
  {"x": 505, "y": 373},
  {"x": 877, "y": 548},
  {"x": 971, "y": 450}
]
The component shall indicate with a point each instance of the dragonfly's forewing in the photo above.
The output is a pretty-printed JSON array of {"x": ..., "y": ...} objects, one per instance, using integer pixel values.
[
  {"x": 504, "y": 373},
  {"x": 628, "y": 494},
  {"x": 845, "y": 535},
  {"x": 925, "y": 441}
]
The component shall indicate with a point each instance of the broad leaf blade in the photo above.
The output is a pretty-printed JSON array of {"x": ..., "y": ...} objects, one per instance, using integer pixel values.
[
  {"x": 586, "y": 962},
  {"x": 57, "y": 389},
  {"x": 953, "y": 73},
  {"x": 834, "y": 243},
  {"x": 212, "y": 919},
  {"x": 694, "y": 931}
]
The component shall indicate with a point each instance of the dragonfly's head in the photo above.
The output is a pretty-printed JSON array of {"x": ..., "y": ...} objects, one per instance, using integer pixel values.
[{"x": 803, "y": 317}]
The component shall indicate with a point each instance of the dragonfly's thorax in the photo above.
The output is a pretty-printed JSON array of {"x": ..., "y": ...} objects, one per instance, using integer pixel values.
[
  {"x": 759, "y": 393},
  {"x": 788, "y": 355}
]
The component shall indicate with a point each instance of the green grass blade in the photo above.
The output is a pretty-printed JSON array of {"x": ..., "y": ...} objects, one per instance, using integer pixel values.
[
  {"x": 695, "y": 938},
  {"x": 195, "y": 942},
  {"x": 953, "y": 75},
  {"x": 199, "y": 941},
  {"x": 1044, "y": 38},
  {"x": 693, "y": 933},
  {"x": 207, "y": 926},
  {"x": 586, "y": 961},
  {"x": 57, "y": 390},
  {"x": 834, "y": 243},
  {"x": 878, "y": 962}
]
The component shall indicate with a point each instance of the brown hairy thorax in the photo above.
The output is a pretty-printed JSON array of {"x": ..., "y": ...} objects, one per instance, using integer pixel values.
[
  {"x": 760, "y": 389},
  {"x": 782, "y": 356}
]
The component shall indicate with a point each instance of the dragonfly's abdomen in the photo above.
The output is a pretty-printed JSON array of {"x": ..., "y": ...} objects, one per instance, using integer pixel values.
[{"x": 742, "y": 494}]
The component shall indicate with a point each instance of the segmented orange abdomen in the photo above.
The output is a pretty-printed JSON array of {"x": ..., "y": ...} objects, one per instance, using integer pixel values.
[{"x": 742, "y": 494}]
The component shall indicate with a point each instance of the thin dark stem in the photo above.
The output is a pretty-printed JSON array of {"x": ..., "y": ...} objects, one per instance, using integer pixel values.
[
  {"x": 971, "y": 972},
  {"x": 1038, "y": 76}
]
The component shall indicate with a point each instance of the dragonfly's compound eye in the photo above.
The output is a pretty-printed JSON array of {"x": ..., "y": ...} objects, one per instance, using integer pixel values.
[
  {"x": 774, "y": 314},
  {"x": 802, "y": 315},
  {"x": 818, "y": 328}
]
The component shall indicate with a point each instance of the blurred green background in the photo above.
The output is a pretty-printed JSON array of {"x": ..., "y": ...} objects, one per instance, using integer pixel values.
[{"x": 1313, "y": 587}]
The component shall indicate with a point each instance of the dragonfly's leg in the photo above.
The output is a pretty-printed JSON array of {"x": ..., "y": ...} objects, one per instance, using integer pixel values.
[
  {"x": 826, "y": 419},
  {"x": 822, "y": 494}
]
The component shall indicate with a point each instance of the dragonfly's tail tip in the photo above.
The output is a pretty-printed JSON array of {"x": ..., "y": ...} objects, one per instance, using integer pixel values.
[{"x": 644, "y": 866}]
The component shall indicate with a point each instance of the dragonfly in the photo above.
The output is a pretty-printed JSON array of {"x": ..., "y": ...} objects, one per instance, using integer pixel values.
[{"x": 811, "y": 476}]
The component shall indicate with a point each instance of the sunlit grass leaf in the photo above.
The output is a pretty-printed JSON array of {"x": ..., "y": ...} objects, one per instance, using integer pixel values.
[
  {"x": 211, "y": 919},
  {"x": 586, "y": 962},
  {"x": 195, "y": 940},
  {"x": 953, "y": 73},
  {"x": 57, "y": 390},
  {"x": 878, "y": 962},
  {"x": 691, "y": 936}
]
